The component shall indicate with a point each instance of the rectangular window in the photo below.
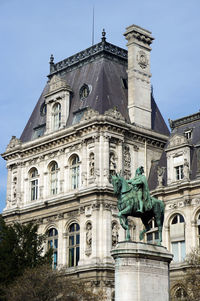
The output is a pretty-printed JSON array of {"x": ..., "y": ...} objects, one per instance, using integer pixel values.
[
  {"x": 178, "y": 250},
  {"x": 75, "y": 177},
  {"x": 179, "y": 172},
  {"x": 54, "y": 183},
  {"x": 34, "y": 190},
  {"x": 188, "y": 134}
]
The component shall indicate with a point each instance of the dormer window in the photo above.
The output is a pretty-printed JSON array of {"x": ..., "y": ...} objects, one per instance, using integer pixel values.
[
  {"x": 84, "y": 92},
  {"x": 56, "y": 115},
  {"x": 179, "y": 172},
  {"x": 188, "y": 134}
]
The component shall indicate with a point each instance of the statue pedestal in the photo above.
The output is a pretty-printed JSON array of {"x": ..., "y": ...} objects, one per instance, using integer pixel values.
[{"x": 141, "y": 272}]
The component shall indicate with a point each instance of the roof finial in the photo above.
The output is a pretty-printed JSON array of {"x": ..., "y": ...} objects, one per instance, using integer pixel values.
[
  {"x": 103, "y": 35},
  {"x": 51, "y": 59},
  {"x": 51, "y": 63}
]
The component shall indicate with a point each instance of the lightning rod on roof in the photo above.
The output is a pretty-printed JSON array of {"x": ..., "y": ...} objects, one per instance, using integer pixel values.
[{"x": 93, "y": 27}]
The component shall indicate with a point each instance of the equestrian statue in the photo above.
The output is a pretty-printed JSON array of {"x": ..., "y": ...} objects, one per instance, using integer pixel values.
[{"x": 134, "y": 199}]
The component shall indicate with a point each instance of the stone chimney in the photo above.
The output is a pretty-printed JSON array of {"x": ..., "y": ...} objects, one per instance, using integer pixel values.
[{"x": 139, "y": 85}]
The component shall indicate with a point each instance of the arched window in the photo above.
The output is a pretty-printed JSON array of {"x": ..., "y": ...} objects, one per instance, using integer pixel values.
[
  {"x": 53, "y": 168},
  {"x": 33, "y": 175},
  {"x": 152, "y": 234},
  {"x": 56, "y": 115},
  {"x": 180, "y": 294},
  {"x": 74, "y": 244},
  {"x": 75, "y": 169},
  {"x": 198, "y": 229},
  {"x": 177, "y": 237},
  {"x": 53, "y": 243}
]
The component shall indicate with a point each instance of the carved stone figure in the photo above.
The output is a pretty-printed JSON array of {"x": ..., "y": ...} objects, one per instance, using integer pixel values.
[
  {"x": 14, "y": 188},
  {"x": 112, "y": 166},
  {"x": 135, "y": 200},
  {"x": 115, "y": 234},
  {"x": 160, "y": 174},
  {"x": 186, "y": 170},
  {"x": 89, "y": 236},
  {"x": 13, "y": 143},
  {"x": 127, "y": 162},
  {"x": 91, "y": 164}
]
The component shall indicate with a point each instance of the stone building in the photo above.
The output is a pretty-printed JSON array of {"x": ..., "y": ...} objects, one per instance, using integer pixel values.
[
  {"x": 175, "y": 179},
  {"x": 97, "y": 116}
]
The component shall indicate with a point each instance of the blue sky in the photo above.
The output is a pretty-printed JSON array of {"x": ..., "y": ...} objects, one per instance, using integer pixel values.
[{"x": 31, "y": 30}]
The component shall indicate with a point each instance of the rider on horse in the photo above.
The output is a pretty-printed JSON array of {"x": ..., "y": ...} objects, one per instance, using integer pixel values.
[{"x": 140, "y": 184}]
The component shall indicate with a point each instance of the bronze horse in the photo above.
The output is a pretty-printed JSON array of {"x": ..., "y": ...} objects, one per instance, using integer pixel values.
[{"x": 128, "y": 206}]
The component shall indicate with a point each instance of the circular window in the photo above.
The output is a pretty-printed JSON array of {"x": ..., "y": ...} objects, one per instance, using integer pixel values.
[
  {"x": 84, "y": 92},
  {"x": 43, "y": 109}
]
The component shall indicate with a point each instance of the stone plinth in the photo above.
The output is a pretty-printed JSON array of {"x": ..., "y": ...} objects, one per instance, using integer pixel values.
[{"x": 141, "y": 272}]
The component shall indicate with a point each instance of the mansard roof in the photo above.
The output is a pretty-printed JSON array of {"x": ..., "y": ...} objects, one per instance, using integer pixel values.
[
  {"x": 179, "y": 128},
  {"x": 102, "y": 67}
]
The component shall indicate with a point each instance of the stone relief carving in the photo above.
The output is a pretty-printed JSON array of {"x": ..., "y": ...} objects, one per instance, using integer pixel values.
[
  {"x": 56, "y": 83},
  {"x": 84, "y": 178},
  {"x": 97, "y": 175},
  {"x": 177, "y": 140},
  {"x": 160, "y": 174},
  {"x": 127, "y": 162},
  {"x": 142, "y": 59},
  {"x": 89, "y": 113},
  {"x": 88, "y": 239},
  {"x": 13, "y": 143},
  {"x": 114, "y": 113},
  {"x": 115, "y": 234}
]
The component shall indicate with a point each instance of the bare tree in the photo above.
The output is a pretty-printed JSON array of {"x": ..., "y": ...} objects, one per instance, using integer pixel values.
[
  {"x": 43, "y": 284},
  {"x": 188, "y": 289}
]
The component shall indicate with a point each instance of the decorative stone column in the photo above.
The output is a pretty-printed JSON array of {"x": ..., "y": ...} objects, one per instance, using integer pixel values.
[{"x": 141, "y": 272}]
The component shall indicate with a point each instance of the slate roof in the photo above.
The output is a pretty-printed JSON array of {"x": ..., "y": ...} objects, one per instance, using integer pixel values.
[
  {"x": 179, "y": 126},
  {"x": 103, "y": 67}
]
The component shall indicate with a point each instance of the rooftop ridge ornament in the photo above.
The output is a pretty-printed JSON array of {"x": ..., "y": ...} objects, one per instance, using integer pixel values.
[
  {"x": 51, "y": 63},
  {"x": 87, "y": 55},
  {"x": 103, "y": 39}
]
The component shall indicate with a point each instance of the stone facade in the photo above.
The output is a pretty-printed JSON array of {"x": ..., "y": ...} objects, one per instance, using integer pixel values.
[
  {"x": 84, "y": 128},
  {"x": 178, "y": 186}
]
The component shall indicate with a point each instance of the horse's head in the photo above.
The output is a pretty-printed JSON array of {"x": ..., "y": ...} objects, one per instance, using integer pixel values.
[{"x": 117, "y": 184}]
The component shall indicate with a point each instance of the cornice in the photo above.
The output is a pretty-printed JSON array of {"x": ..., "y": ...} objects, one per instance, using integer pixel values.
[
  {"x": 176, "y": 187},
  {"x": 74, "y": 198},
  {"x": 117, "y": 128},
  {"x": 185, "y": 120}
]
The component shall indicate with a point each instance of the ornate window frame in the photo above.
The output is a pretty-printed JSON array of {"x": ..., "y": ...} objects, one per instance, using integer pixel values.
[
  {"x": 56, "y": 116},
  {"x": 177, "y": 237},
  {"x": 52, "y": 242},
  {"x": 33, "y": 184},
  {"x": 73, "y": 244},
  {"x": 53, "y": 177},
  {"x": 74, "y": 171}
]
